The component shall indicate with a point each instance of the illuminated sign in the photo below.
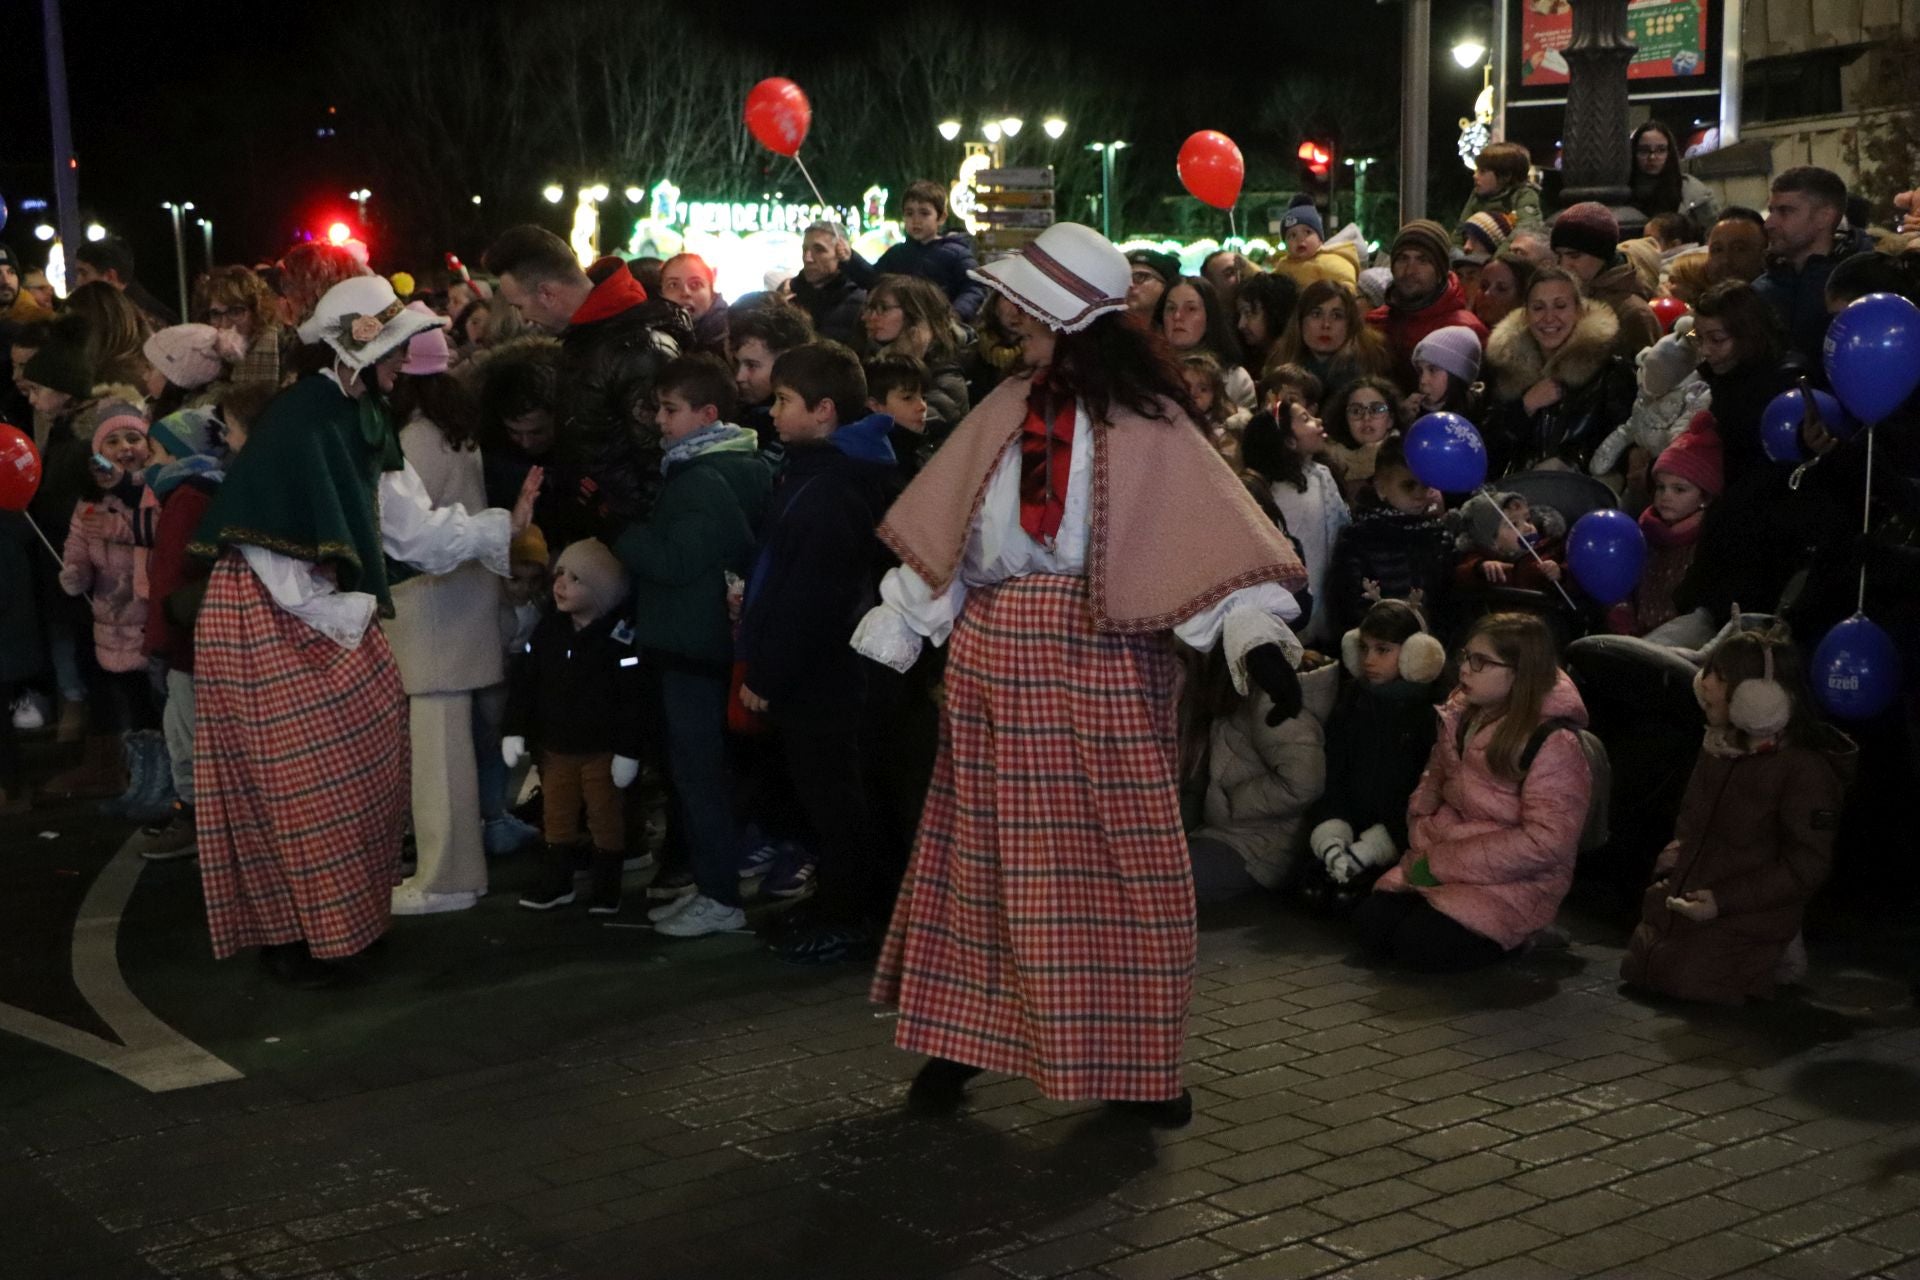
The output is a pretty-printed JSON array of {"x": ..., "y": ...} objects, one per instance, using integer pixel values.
[{"x": 771, "y": 213}]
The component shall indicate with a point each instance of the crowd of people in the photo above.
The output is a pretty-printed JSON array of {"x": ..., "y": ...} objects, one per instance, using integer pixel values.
[{"x": 363, "y": 588}]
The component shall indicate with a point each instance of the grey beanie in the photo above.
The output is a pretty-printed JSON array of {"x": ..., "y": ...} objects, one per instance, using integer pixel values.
[
  {"x": 1455, "y": 348},
  {"x": 1482, "y": 516}
]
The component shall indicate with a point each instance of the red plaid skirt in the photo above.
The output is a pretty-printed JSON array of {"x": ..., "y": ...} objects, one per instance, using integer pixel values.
[
  {"x": 1046, "y": 925},
  {"x": 301, "y": 772}
]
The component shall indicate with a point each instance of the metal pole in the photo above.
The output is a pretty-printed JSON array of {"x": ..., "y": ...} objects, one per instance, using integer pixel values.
[
  {"x": 1413, "y": 110},
  {"x": 1106, "y": 191},
  {"x": 206, "y": 230},
  {"x": 1497, "y": 51},
  {"x": 66, "y": 181},
  {"x": 1733, "y": 70},
  {"x": 179, "y": 256}
]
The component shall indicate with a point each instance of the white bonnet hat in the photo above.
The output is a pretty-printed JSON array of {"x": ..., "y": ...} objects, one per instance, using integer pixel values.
[{"x": 1067, "y": 278}]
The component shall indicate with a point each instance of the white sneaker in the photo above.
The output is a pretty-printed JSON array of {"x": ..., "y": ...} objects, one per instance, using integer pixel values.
[
  {"x": 702, "y": 916},
  {"x": 30, "y": 712},
  {"x": 411, "y": 900},
  {"x": 671, "y": 907}
]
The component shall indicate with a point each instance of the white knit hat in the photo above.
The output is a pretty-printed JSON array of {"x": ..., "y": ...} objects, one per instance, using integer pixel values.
[
  {"x": 192, "y": 355},
  {"x": 1067, "y": 278},
  {"x": 362, "y": 319}
]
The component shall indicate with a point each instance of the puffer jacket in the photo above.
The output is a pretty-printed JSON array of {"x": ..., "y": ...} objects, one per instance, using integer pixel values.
[
  {"x": 947, "y": 260},
  {"x": 1598, "y": 393},
  {"x": 103, "y": 568},
  {"x": 1261, "y": 780},
  {"x": 835, "y": 306},
  {"x": 1399, "y": 552},
  {"x": 609, "y": 355},
  {"x": 1621, "y": 288},
  {"x": 1403, "y": 329},
  {"x": 1502, "y": 851},
  {"x": 1757, "y": 830}
]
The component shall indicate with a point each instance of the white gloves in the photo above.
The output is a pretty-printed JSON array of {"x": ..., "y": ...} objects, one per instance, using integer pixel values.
[
  {"x": 1347, "y": 856},
  {"x": 513, "y": 750},
  {"x": 625, "y": 770}
]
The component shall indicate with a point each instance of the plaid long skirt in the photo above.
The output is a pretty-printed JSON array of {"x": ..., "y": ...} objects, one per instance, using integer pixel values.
[
  {"x": 1046, "y": 925},
  {"x": 301, "y": 768}
]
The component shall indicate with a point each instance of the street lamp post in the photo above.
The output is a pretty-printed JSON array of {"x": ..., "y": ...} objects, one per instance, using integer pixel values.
[
  {"x": 1106, "y": 151},
  {"x": 1416, "y": 59},
  {"x": 179, "y": 247},
  {"x": 206, "y": 232}
]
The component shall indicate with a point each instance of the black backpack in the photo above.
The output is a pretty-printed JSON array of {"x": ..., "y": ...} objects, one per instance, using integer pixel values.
[{"x": 1594, "y": 833}]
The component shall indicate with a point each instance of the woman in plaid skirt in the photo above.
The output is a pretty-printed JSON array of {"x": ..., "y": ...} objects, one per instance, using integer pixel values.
[
  {"x": 1073, "y": 525},
  {"x": 301, "y": 761}
]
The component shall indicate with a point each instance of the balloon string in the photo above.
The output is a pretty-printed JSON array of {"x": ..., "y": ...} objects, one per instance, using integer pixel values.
[
  {"x": 1233, "y": 225},
  {"x": 1487, "y": 490},
  {"x": 1866, "y": 516},
  {"x": 820, "y": 199},
  {"x": 57, "y": 557}
]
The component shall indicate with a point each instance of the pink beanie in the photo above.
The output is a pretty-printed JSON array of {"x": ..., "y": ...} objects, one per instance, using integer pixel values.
[
  {"x": 192, "y": 355},
  {"x": 427, "y": 351},
  {"x": 123, "y": 420}
]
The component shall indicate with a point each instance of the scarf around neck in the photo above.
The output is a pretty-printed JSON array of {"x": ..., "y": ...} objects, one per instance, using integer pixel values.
[
  {"x": 1681, "y": 533},
  {"x": 721, "y": 437}
]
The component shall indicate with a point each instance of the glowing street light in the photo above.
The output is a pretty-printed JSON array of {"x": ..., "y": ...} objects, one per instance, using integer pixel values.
[
  {"x": 1054, "y": 127},
  {"x": 991, "y": 131},
  {"x": 597, "y": 192},
  {"x": 1011, "y": 126},
  {"x": 553, "y": 193},
  {"x": 476, "y": 199},
  {"x": 95, "y": 232},
  {"x": 339, "y": 233},
  {"x": 174, "y": 210},
  {"x": 634, "y": 195},
  {"x": 43, "y": 232},
  {"x": 1468, "y": 53},
  {"x": 1108, "y": 152},
  {"x": 950, "y": 129}
]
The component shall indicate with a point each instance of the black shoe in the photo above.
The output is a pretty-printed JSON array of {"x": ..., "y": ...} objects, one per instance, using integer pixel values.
[
  {"x": 826, "y": 944},
  {"x": 554, "y": 888},
  {"x": 604, "y": 897},
  {"x": 940, "y": 1086},
  {"x": 293, "y": 964},
  {"x": 1167, "y": 1113}
]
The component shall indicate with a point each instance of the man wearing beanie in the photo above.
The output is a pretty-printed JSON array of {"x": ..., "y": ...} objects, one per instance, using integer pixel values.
[
  {"x": 1586, "y": 240},
  {"x": 1425, "y": 295},
  {"x": 576, "y": 699},
  {"x": 1150, "y": 274},
  {"x": 1308, "y": 259}
]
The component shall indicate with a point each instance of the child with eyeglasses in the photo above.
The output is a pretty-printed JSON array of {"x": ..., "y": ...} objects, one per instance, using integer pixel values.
[
  {"x": 1360, "y": 416},
  {"x": 1495, "y": 824}
]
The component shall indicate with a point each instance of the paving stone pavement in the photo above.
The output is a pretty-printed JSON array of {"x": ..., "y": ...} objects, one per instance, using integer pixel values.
[{"x": 518, "y": 1097}]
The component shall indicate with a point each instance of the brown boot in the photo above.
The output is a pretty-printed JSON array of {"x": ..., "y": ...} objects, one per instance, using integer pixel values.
[
  {"x": 102, "y": 771},
  {"x": 73, "y": 721}
]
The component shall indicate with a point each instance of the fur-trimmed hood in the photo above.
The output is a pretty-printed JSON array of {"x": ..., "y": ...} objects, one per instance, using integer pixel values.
[{"x": 1518, "y": 362}]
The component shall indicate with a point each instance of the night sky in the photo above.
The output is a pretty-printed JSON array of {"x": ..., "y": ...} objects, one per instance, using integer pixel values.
[{"x": 218, "y": 101}]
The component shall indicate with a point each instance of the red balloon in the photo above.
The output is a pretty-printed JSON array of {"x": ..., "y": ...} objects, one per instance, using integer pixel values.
[
  {"x": 19, "y": 469},
  {"x": 1212, "y": 169},
  {"x": 779, "y": 115},
  {"x": 1668, "y": 310}
]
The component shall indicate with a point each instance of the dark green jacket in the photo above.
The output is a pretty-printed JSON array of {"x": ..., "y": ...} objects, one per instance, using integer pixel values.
[{"x": 704, "y": 525}]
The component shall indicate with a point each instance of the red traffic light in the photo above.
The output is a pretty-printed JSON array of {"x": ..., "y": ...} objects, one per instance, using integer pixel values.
[{"x": 1317, "y": 156}]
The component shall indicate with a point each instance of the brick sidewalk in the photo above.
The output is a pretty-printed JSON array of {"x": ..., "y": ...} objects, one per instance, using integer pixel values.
[{"x": 710, "y": 1114}]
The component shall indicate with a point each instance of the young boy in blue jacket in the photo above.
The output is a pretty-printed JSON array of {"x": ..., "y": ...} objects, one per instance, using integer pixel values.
[
  {"x": 947, "y": 260},
  {"x": 816, "y": 576},
  {"x": 702, "y": 527}
]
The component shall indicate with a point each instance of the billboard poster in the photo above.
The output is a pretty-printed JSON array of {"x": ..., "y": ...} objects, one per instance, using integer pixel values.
[{"x": 1671, "y": 36}]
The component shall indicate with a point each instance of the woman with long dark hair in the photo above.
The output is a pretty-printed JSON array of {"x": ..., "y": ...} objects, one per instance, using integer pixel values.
[
  {"x": 1657, "y": 181},
  {"x": 1071, "y": 522},
  {"x": 1191, "y": 318}
]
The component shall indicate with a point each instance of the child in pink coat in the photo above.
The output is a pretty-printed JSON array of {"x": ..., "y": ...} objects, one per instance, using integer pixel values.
[{"x": 1495, "y": 823}]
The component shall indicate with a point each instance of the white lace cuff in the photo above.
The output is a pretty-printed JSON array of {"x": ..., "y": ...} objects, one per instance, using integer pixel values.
[
  {"x": 885, "y": 636},
  {"x": 1246, "y": 630}
]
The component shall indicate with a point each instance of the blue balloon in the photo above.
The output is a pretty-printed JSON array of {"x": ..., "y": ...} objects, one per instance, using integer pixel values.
[
  {"x": 1607, "y": 552},
  {"x": 1446, "y": 452},
  {"x": 1780, "y": 424},
  {"x": 1856, "y": 670},
  {"x": 1873, "y": 354}
]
